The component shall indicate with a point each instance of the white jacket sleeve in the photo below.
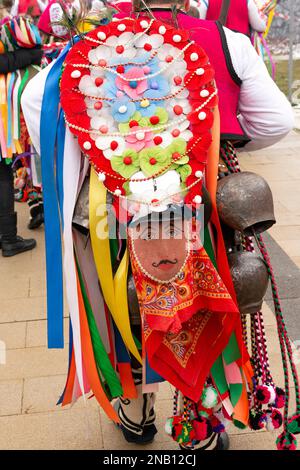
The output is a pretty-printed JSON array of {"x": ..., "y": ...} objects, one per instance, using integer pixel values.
[
  {"x": 265, "y": 113},
  {"x": 31, "y": 103}
]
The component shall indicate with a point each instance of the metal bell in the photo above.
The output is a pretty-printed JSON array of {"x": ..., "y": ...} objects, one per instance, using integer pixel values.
[
  {"x": 81, "y": 212},
  {"x": 207, "y": 205},
  {"x": 133, "y": 303},
  {"x": 245, "y": 202},
  {"x": 250, "y": 278}
]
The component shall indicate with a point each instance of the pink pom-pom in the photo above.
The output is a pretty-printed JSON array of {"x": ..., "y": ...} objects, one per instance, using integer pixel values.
[
  {"x": 265, "y": 394},
  {"x": 273, "y": 419},
  {"x": 286, "y": 441}
]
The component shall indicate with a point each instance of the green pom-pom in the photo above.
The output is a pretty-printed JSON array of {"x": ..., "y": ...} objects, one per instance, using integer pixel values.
[
  {"x": 294, "y": 424},
  {"x": 209, "y": 397},
  {"x": 239, "y": 424}
]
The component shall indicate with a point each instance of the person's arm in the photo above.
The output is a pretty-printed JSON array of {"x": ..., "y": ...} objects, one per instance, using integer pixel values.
[
  {"x": 257, "y": 22},
  {"x": 19, "y": 59},
  {"x": 15, "y": 8},
  {"x": 42, "y": 5},
  {"x": 203, "y": 7},
  {"x": 31, "y": 103},
  {"x": 265, "y": 113}
]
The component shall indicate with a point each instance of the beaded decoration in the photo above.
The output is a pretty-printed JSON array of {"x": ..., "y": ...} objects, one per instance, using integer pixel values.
[{"x": 139, "y": 95}]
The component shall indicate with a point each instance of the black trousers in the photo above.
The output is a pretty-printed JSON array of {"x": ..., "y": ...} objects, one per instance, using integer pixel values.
[{"x": 8, "y": 217}]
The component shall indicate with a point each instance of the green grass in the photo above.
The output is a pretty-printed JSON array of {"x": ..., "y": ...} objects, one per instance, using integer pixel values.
[{"x": 281, "y": 77}]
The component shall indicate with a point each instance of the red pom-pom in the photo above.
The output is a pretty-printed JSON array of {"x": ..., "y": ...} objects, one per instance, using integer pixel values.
[
  {"x": 280, "y": 397},
  {"x": 202, "y": 428},
  {"x": 217, "y": 425},
  {"x": 273, "y": 419},
  {"x": 265, "y": 394},
  {"x": 257, "y": 420},
  {"x": 286, "y": 441}
]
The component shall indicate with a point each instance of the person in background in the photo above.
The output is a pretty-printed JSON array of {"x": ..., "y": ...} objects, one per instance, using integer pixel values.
[
  {"x": 33, "y": 8},
  {"x": 10, "y": 243},
  {"x": 5, "y": 10},
  {"x": 243, "y": 15}
]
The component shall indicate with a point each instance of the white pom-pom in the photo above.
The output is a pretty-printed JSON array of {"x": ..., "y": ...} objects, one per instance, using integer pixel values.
[
  {"x": 200, "y": 71},
  {"x": 162, "y": 30},
  {"x": 144, "y": 24},
  {"x": 198, "y": 174},
  {"x": 194, "y": 56},
  {"x": 168, "y": 426},
  {"x": 121, "y": 27},
  {"x": 272, "y": 393},
  {"x": 209, "y": 397},
  {"x": 87, "y": 145},
  {"x": 197, "y": 199},
  {"x": 76, "y": 74},
  {"x": 101, "y": 177},
  {"x": 204, "y": 93},
  {"x": 202, "y": 115},
  {"x": 101, "y": 35},
  {"x": 118, "y": 192},
  {"x": 176, "y": 38},
  {"x": 269, "y": 423}
]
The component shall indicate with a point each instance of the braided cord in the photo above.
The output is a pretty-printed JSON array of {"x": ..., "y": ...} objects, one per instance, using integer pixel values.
[
  {"x": 229, "y": 156},
  {"x": 280, "y": 320}
]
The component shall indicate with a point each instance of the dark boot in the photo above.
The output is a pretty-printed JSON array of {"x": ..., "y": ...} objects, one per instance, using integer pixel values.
[
  {"x": 12, "y": 244},
  {"x": 36, "y": 216},
  {"x": 145, "y": 438}
]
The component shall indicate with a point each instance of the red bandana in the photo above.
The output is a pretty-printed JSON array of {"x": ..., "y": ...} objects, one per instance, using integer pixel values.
[{"x": 187, "y": 322}]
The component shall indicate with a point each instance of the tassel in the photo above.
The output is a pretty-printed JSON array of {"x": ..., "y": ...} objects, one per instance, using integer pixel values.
[{"x": 286, "y": 441}]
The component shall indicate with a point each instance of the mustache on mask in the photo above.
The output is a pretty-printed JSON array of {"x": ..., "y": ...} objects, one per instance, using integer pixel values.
[{"x": 164, "y": 261}]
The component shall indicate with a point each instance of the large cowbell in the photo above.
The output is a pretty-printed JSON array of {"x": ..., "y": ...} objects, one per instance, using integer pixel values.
[
  {"x": 245, "y": 202},
  {"x": 250, "y": 278}
]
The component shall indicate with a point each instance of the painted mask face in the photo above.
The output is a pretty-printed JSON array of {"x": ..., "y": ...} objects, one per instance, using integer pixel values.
[{"x": 160, "y": 248}]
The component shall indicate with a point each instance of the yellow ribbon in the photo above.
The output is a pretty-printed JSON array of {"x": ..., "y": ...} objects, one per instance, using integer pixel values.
[{"x": 114, "y": 289}]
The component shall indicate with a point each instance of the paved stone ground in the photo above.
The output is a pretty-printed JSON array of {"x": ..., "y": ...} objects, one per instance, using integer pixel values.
[{"x": 33, "y": 377}]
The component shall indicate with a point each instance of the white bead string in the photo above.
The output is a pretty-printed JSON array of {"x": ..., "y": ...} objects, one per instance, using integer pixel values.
[
  {"x": 136, "y": 37},
  {"x": 138, "y": 79},
  {"x": 157, "y": 202},
  {"x": 153, "y": 278},
  {"x": 145, "y": 129}
]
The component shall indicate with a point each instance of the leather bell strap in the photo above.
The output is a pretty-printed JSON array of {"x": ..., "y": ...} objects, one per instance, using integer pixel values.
[{"x": 114, "y": 288}]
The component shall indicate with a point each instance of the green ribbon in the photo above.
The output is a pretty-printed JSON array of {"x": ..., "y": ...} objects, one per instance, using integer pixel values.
[{"x": 101, "y": 357}]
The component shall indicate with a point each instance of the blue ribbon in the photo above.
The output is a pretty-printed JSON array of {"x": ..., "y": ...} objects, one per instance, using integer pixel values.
[
  {"x": 152, "y": 377},
  {"x": 51, "y": 133},
  {"x": 61, "y": 134},
  {"x": 122, "y": 353}
]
